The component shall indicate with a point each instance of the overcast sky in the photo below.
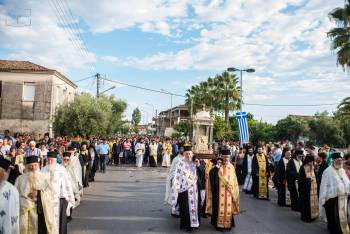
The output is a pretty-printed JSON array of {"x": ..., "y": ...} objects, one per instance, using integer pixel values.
[{"x": 174, "y": 44}]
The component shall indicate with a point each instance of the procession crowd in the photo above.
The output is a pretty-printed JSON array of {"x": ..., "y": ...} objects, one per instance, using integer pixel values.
[
  {"x": 42, "y": 179},
  {"x": 312, "y": 181}
]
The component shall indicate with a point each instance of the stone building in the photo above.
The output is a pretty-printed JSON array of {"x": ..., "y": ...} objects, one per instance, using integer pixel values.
[{"x": 29, "y": 95}]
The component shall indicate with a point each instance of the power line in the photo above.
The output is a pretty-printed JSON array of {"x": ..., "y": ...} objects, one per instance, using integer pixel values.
[
  {"x": 86, "y": 78},
  {"x": 286, "y": 105},
  {"x": 143, "y": 88},
  {"x": 65, "y": 20},
  {"x": 248, "y": 104}
]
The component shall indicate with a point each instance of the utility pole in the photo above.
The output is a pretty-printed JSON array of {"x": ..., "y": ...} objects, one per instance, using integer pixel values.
[{"x": 98, "y": 82}]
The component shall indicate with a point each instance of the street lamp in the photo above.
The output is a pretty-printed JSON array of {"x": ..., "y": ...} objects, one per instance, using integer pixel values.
[
  {"x": 145, "y": 122},
  {"x": 149, "y": 104},
  {"x": 249, "y": 70},
  {"x": 113, "y": 87},
  {"x": 171, "y": 103}
]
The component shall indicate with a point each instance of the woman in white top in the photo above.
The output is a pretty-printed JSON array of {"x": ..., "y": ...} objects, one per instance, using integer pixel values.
[{"x": 140, "y": 151}]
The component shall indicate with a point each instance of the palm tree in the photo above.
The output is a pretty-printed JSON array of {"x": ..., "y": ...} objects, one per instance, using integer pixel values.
[
  {"x": 226, "y": 93},
  {"x": 344, "y": 109},
  {"x": 340, "y": 35},
  {"x": 219, "y": 94}
]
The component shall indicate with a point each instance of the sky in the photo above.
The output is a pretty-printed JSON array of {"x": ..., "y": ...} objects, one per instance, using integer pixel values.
[{"x": 174, "y": 44}]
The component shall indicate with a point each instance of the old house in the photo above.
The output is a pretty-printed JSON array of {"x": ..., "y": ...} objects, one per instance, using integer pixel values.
[
  {"x": 29, "y": 95},
  {"x": 169, "y": 118}
]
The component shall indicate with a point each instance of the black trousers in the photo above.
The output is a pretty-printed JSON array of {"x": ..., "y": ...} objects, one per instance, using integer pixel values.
[{"x": 63, "y": 216}]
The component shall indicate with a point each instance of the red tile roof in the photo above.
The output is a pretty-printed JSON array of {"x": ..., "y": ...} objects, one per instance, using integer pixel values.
[
  {"x": 13, "y": 65},
  {"x": 26, "y": 66}
]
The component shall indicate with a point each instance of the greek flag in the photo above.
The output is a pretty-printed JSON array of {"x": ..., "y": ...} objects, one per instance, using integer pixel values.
[{"x": 243, "y": 127}]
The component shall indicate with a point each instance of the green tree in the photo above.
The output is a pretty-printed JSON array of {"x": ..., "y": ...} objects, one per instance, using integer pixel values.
[
  {"x": 340, "y": 35},
  {"x": 88, "y": 116},
  {"x": 291, "y": 128},
  {"x": 325, "y": 129},
  {"x": 136, "y": 116},
  {"x": 222, "y": 130},
  {"x": 183, "y": 127}
]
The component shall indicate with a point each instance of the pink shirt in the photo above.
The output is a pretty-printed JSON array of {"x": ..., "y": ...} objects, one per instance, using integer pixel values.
[{"x": 126, "y": 146}]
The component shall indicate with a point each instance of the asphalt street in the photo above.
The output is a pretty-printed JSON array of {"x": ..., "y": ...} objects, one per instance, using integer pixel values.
[{"x": 129, "y": 200}]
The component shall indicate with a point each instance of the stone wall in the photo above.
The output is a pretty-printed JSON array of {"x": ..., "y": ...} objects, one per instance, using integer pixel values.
[
  {"x": 27, "y": 126},
  {"x": 12, "y": 106}
]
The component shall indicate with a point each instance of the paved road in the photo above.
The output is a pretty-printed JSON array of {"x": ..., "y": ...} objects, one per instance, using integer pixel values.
[{"x": 129, "y": 200}]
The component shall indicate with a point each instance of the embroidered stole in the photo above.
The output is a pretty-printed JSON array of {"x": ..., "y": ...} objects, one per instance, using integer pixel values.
[
  {"x": 262, "y": 176},
  {"x": 313, "y": 191},
  {"x": 208, "y": 194},
  {"x": 342, "y": 207}
]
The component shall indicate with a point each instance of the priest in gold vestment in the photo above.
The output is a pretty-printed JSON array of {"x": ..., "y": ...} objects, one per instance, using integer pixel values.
[
  {"x": 225, "y": 194},
  {"x": 260, "y": 175}
]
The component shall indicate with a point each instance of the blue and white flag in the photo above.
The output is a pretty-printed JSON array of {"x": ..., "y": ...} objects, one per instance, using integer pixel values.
[{"x": 243, "y": 127}]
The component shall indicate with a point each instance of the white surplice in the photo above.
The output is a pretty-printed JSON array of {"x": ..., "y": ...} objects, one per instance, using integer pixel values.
[
  {"x": 9, "y": 209},
  {"x": 335, "y": 183},
  {"x": 169, "y": 179},
  {"x": 75, "y": 184},
  {"x": 61, "y": 185},
  {"x": 25, "y": 184},
  {"x": 185, "y": 179}
]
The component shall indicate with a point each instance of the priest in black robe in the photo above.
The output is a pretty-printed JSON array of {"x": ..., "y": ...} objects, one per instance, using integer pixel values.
[
  {"x": 292, "y": 172},
  {"x": 281, "y": 178},
  {"x": 85, "y": 157},
  {"x": 307, "y": 185},
  {"x": 322, "y": 166},
  {"x": 247, "y": 169}
]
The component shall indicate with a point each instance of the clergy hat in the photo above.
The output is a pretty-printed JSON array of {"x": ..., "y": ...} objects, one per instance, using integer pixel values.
[
  {"x": 225, "y": 152},
  {"x": 336, "y": 155},
  {"x": 308, "y": 158},
  {"x": 5, "y": 164},
  {"x": 32, "y": 159},
  {"x": 51, "y": 155},
  {"x": 67, "y": 154},
  {"x": 187, "y": 148}
]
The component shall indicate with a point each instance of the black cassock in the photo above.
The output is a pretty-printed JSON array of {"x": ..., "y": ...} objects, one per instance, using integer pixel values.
[
  {"x": 281, "y": 178},
  {"x": 255, "y": 177},
  {"x": 86, "y": 168},
  {"x": 292, "y": 177},
  {"x": 321, "y": 168},
  {"x": 332, "y": 213},
  {"x": 42, "y": 229},
  {"x": 304, "y": 186},
  {"x": 200, "y": 186},
  {"x": 214, "y": 185}
]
